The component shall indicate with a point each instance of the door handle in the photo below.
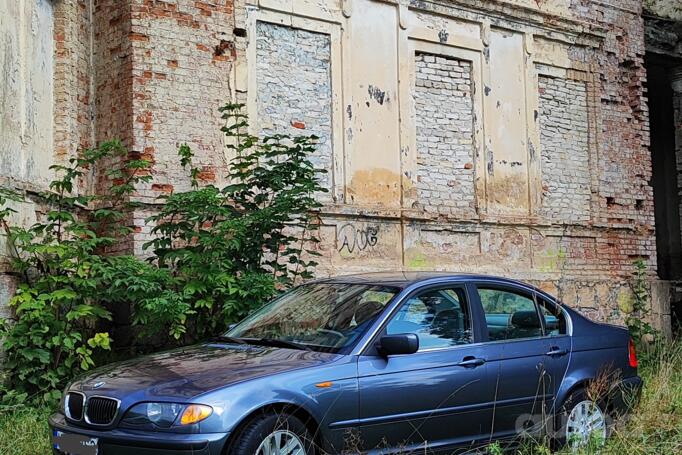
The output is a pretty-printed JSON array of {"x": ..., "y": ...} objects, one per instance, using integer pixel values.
[
  {"x": 471, "y": 362},
  {"x": 555, "y": 351}
]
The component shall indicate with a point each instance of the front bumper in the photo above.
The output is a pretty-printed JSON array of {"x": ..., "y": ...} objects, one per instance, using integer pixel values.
[{"x": 129, "y": 442}]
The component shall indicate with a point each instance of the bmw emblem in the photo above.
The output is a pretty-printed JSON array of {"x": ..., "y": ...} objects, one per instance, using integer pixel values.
[{"x": 97, "y": 385}]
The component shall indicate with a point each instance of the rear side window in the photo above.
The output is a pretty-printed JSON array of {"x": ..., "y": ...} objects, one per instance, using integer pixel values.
[{"x": 509, "y": 315}]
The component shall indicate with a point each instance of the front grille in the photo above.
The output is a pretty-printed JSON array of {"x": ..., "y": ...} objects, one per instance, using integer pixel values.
[
  {"x": 101, "y": 410},
  {"x": 74, "y": 405}
]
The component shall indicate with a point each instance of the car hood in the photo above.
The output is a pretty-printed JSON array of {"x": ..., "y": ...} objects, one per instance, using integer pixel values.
[{"x": 191, "y": 371}]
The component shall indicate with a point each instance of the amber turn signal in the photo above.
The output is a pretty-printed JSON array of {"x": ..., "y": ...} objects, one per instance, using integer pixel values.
[{"x": 195, "y": 413}]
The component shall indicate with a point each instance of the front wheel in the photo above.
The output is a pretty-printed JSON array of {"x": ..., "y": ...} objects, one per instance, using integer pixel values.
[
  {"x": 584, "y": 423},
  {"x": 274, "y": 434}
]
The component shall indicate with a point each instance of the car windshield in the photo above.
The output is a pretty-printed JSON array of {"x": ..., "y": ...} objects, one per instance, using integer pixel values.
[{"x": 320, "y": 316}]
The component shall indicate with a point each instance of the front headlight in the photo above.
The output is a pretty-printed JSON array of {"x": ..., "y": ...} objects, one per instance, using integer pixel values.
[
  {"x": 160, "y": 414},
  {"x": 164, "y": 415}
]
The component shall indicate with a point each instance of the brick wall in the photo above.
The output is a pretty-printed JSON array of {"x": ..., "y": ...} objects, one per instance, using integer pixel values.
[
  {"x": 182, "y": 54},
  {"x": 564, "y": 150},
  {"x": 444, "y": 123},
  {"x": 153, "y": 73},
  {"x": 73, "y": 123},
  {"x": 171, "y": 62},
  {"x": 294, "y": 88},
  {"x": 625, "y": 196}
]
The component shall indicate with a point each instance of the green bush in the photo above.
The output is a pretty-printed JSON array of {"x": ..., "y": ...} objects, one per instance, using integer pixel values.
[
  {"x": 217, "y": 254},
  {"x": 58, "y": 308},
  {"x": 637, "y": 318},
  {"x": 231, "y": 248}
]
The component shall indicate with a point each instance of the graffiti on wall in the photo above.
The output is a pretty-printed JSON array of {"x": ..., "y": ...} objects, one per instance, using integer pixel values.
[{"x": 357, "y": 238}]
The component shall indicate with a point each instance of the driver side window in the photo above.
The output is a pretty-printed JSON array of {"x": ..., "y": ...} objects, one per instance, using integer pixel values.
[{"x": 440, "y": 318}]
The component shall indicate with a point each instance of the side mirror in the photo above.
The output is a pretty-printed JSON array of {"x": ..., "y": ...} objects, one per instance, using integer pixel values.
[{"x": 403, "y": 343}]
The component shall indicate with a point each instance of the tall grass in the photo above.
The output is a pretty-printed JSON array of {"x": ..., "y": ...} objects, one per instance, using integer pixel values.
[{"x": 655, "y": 427}]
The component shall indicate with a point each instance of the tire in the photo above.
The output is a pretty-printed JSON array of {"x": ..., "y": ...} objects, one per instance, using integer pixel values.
[
  {"x": 570, "y": 429},
  {"x": 270, "y": 429}
]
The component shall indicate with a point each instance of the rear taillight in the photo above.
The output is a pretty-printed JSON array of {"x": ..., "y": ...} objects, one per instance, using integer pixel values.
[{"x": 632, "y": 354}]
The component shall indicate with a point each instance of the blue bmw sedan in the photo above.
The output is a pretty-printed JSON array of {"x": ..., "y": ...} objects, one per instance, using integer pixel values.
[{"x": 375, "y": 363}]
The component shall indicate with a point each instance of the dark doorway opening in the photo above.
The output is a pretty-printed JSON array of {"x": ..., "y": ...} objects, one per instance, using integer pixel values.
[
  {"x": 664, "y": 164},
  {"x": 665, "y": 172}
]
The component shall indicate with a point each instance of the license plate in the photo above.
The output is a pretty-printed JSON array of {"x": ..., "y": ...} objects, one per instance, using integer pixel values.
[{"x": 74, "y": 444}]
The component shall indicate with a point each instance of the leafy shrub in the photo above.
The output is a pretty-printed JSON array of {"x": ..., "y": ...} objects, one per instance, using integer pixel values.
[
  {"x": 58, "y": 306},
  {"x": 217, "y": 253},
  {"x": 636, "y": 319},
  {"x": 230, "y": 248}
]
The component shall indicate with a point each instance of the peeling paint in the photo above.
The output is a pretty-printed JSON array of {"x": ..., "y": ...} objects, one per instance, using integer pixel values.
[
  {"x": 375, "y": 186},
  {"x": 375, "y": 160},
  {"x": 26, "y": 90}
]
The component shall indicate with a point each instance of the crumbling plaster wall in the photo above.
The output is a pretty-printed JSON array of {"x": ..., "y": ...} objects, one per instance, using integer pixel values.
[
  {"x": 26, "y": 111},
  {"x": 553, "y": 170},
  {"x": 571, "y": 220},
  {"x": 26, "y": 90}
]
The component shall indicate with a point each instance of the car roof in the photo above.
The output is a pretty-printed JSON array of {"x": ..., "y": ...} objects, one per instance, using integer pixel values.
[{"x": 404, "y": 279}]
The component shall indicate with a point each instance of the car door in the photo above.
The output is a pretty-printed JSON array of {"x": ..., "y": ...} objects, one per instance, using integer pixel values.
[
  {"x": 517, "y": 355},
  {"x": 436, "y": 397},
  {"x": 558, "y": 346}
]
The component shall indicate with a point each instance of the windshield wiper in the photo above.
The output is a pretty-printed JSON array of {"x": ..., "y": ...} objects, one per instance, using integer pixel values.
[
  {"x": 226, "y": 339},
  {"x": 277, "y": 342}
]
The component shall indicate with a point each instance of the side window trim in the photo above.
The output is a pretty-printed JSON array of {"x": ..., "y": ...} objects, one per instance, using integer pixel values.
[
  {"x": 555, "y": 305},
  {"x": 479, "y": 327},
  {"x": 541, "y": 315}
]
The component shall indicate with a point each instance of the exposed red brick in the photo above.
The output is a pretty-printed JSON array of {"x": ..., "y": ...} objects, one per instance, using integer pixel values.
[
  {"x": 133, "y": 36},
  {"x": 162, "y": 187},
  {"x": 207, "y": 174}
]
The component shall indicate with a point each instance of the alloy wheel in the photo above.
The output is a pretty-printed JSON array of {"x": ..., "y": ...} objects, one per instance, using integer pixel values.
[
  {"x": 281, "y": 442},
  {"x": 586, "y": 425}
]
